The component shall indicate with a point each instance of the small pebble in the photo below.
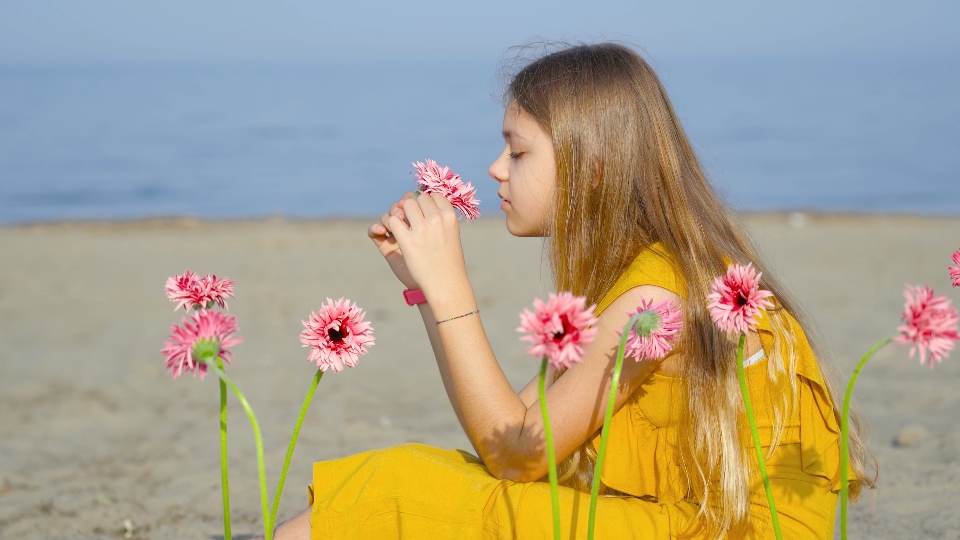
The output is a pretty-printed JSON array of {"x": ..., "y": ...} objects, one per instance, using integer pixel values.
[{"x": 910, "y": 436}]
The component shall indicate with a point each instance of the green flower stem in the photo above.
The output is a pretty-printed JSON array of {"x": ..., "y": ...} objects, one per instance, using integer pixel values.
[
  {"x": 605, "y": 433},
  {"x": 845, "y": 437},
  {"x": 264, "y": 500},
  {"x": 292, "y": 445},
  {"x": 551, "y": 457},
  {"x": 756, "y": 437},
  {"x": 224, "y": 475}
]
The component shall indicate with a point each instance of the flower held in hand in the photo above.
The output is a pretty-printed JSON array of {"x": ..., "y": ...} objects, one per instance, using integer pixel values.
[
  {"x": 558, "y": 329},
  {"x": 955, "y": 270},
  {"x": 432, "y": 178},
  {"x": 736, "y": 299},
  {"x": 337, "y": 335},
  {"x": 929, "y": 324},
  {"x": 656, "y": 327},
  {"x": 192, "y": 291},
  {"x": 206, "y": 333}
]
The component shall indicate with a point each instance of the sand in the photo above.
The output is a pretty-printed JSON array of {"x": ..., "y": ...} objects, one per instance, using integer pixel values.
[{"x": 93, "y": 432}]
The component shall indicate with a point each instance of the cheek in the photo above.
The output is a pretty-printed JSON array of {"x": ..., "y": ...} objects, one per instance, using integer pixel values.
[
  {"x": 534, "y": 189},
  {"x": 541, "y": 213},
  {"x": 541, "y": 196}
]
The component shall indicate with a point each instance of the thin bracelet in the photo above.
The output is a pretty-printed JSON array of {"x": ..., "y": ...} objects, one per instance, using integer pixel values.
[{"x": 458, "y": 316}]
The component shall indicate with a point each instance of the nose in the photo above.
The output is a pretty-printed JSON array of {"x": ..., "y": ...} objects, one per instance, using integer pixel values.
[{"x": 499, "y": 170}]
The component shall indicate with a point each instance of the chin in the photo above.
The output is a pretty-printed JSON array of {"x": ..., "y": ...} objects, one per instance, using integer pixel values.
[{"x": 521, "y": 231}]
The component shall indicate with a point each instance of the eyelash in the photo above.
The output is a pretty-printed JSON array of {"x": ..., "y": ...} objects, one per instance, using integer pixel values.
[{"x": 514, "y": 155}]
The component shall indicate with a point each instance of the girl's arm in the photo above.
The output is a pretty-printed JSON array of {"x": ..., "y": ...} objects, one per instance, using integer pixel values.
[
  {"x": 529, "y": 393},
  {"x": 506, "y": 432},
  {"x": 387, "y": 244},
  {"x": 429, "y": 323}
]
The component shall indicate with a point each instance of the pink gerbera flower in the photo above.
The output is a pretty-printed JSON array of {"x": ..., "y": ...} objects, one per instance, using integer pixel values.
[
  {"x": 432, "y": 178},
  {"x": 651, "y": 337},
  {"x": 337, "y": 335},
  {"x": 954, "y": 270},
  {"x": 192, "y": 291},
  {"x": 558, "y": 329},
  {"x": 929, "y": 324},
  {"x": 736, "y": 299},
  {"x": 207, "y": 334}
]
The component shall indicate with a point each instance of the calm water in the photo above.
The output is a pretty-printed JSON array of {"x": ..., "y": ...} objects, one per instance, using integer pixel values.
[{"x": 317, "y": 141}]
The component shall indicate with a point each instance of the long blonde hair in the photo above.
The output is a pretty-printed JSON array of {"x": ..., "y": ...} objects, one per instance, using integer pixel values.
[{"x": 627, "y": 177}]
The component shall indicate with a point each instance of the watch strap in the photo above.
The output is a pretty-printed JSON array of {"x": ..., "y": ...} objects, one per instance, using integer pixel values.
[{"x": 414, "y": 296}]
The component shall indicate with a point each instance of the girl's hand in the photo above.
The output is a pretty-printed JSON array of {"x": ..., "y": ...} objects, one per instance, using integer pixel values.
[
  {"x": 387, "y": 243},
  {"x": 430, "y": 241}
]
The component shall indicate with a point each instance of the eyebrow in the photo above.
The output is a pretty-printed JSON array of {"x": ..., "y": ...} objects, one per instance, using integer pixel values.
[{"x": 508, "y": 133}]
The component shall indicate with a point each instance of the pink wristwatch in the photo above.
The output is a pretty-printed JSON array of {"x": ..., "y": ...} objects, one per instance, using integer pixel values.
[{"x": 414, "y": 296}]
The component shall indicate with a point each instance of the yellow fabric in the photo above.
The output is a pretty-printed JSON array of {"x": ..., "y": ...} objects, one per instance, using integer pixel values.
[
  {"x": 642, "y": 455},
  {"x": 414, "y": 491}
]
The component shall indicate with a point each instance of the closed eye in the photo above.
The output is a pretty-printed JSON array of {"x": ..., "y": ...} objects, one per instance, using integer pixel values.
[{"x": 514, "y": 155}]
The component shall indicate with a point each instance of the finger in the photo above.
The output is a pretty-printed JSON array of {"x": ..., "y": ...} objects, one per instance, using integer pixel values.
[
  {"x": 443, "y": 203},
  {"x": 387, "y": 244},
  {"x": 414, "y": 212},
  {"x": 378, "y": 230},
  {"x": 427, "y": 205},
  {"x": 399, "y": 205},
  {"x": 399, "y": 230},
  {"x": 385, "y": 221},
  {"x": 406, "y": 197}
]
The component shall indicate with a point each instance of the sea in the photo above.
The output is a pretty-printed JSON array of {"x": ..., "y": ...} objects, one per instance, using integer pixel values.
[{"x": 337, "y": 140}]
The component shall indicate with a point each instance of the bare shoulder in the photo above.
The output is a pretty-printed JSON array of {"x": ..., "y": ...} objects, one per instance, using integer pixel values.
[
  {"x": 627, "y": 303},
  {"x": 614, "y": 318},
  {"x": 616, "y": 315}
]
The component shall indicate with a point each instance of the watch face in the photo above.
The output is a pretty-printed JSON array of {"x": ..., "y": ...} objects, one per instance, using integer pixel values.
[{"x": 413, "y": 296}]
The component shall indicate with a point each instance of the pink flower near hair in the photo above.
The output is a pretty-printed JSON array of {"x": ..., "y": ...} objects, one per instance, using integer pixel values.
[
  {"x": 955, "y": 270},
  {"x": 204, "y": 332},
  {"x": 432, "y": 178},
  {"x": 736, "y": 299},
  {"x": 337, "y": 335},
  {"x": 192, "y": 291},
  {"x": 558, "y": 329},
  {"x": 652, "y": 336},
  {"x": 929, "y": 324}
]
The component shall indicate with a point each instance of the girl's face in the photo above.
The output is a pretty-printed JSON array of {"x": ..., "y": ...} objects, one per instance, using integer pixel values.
[{"x": 527, "y": 173}]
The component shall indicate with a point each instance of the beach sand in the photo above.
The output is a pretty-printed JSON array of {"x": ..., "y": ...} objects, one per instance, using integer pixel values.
[{"x": 94, "y": 432}]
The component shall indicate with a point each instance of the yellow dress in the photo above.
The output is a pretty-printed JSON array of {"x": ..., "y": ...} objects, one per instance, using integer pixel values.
[{"x": 415, "y": 491}]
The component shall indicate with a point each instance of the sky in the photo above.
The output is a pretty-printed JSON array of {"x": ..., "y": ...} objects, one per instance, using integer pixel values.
[{"x": 290, "y": 31}]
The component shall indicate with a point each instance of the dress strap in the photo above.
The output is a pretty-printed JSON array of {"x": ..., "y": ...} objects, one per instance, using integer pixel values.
[{"x": 756, "y": 357}]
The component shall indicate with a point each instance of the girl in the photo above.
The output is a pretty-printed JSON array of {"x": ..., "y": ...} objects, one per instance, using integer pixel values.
[{"x": 595, "y": 161}]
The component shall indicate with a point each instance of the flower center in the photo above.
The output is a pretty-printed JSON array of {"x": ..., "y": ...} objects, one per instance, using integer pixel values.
[
  {"x": 335, "y": 335},
  {"x": 566, "y": 329},
  {"x": 741, "y": 299}
]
